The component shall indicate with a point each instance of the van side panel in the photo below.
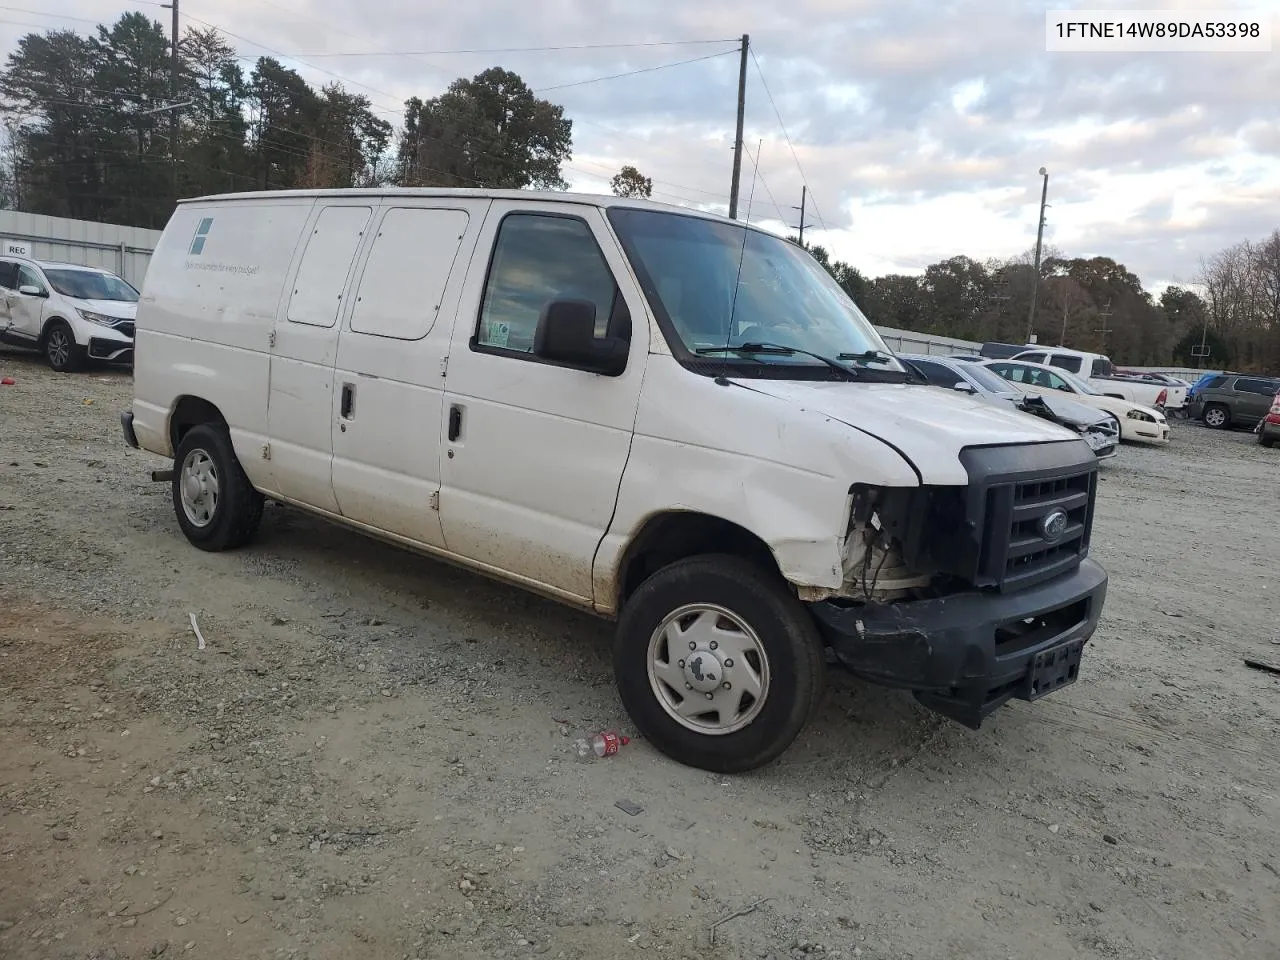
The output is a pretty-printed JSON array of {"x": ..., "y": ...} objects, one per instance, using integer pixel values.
[
  {"x": 300, "y": 423},
  {"x": 391, "y": 352},
  {"x": 208, "y": 303}
]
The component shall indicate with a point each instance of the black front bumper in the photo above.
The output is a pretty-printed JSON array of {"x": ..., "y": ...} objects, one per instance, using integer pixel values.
[
  {"x": 966, "y": 655},
  {"x": 112, "y": 351}
]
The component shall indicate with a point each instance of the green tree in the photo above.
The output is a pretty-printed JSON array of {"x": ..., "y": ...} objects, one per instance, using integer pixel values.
[
  {"x": 1219, "y": 350},
  {"x": 50, "y": 93},
  {"x": 959, "y": 290},
  {"x": 898, "y": 301},
  {"x": 132, "y": 78},
  {"x": 215, "y": 128},
  {"x": 349, "y": 141},
  {"x": 286, "y": 114},
  {"x": 630, "y": 182},
  {"x": 489, "y": 131}
]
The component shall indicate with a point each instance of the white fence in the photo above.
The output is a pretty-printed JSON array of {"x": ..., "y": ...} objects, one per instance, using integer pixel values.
[{"x": 125, "y": 251}]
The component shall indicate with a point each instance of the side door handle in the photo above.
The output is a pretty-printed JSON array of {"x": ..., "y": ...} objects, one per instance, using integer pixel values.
[
  {"x": 455, "y": 422},
  {"x": 348, "y": 401}
]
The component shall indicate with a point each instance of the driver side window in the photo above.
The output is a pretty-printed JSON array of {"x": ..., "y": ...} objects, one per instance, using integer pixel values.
[{"x": 539, "y": 258}]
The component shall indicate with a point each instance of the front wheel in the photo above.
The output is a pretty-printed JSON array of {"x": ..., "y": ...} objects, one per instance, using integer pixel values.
[
  {"x": 60, "y": 348},
  {"x": 717, "y": 663},
  {"x": 217, "y": 506}
]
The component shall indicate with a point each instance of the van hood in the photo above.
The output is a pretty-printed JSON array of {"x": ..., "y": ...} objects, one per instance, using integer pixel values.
[
  {"x": 927, "y": 425},
  {"x": 120, "y": 309}
]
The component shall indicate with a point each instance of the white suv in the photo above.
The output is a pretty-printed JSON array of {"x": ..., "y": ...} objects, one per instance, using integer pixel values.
[{"x": 68, "y": 312}]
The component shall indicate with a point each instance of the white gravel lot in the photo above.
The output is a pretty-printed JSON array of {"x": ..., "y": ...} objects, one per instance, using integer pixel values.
[{"x": 370, "y": 758}]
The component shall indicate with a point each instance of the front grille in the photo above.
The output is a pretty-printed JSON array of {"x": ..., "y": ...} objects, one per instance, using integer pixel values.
[
  {"x": 125, "y": 327},
  {"x": 1013, "y": 491}
]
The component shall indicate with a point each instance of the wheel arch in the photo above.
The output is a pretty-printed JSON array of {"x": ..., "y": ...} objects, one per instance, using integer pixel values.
[
  {"x": 673, "y": 535},
  {"x": 48, "y": 325},
  {"x": 190, "y": 411}
]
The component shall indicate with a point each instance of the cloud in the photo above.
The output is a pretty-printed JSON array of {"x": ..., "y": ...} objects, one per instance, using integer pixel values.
[{"x": 919, "y": 124}]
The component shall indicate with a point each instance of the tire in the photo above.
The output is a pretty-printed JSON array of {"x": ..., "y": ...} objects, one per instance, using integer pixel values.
[
  {"x": 784, "y": 657},
  {"x": 60, "y": 349},
  {"x": 231, "y": 516},
  {"x": 1216, "y": 417},
  {"x": 1264, "y": 440}
]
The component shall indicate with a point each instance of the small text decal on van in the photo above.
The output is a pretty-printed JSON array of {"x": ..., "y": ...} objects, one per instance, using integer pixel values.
[{"x": 202, "y": 233}]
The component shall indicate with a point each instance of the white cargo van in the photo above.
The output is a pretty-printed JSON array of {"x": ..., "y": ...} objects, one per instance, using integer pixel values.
[{"x": 647, "y": 412}]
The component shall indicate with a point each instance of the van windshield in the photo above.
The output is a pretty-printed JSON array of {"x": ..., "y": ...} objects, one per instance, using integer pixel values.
[
  {"x": 90, "y": 285},
  {"x": 689, "y": 268}
]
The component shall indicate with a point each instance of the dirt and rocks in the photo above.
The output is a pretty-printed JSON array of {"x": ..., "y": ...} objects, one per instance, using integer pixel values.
[{"x": 371, "y": 755}]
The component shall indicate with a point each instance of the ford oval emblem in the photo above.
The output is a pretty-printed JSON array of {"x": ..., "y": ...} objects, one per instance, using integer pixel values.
[{"x": 1054, "y": 525}]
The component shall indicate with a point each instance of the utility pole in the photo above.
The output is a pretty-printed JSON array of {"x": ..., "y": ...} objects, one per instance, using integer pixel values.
[
  {"x": 174, "y": 69},
  {"x": 804, "y": 191},
  {"x": 737, "y": 142},
  {"x": 1040, "y": 237},
  {"x": 1104, "y": 329}
]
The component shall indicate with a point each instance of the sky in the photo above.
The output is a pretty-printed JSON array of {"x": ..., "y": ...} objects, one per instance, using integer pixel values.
[{"x": 917, "y": 126}]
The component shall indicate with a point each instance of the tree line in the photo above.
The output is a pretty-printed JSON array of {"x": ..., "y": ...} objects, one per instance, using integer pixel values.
[
  {"x": 1231, "y": 321},
  {"x": 88, "y": 135}
]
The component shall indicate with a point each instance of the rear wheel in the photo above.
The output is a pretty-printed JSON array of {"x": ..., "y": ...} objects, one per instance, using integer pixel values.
[
  {"x": 719, "y": 665},
  {"x": 60, "y": 348},
  {"x": 1216, "y": 416},
  {"x": 216, "y": 506}
]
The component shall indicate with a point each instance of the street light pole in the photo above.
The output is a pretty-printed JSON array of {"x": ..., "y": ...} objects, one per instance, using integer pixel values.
[{"x": 1035, "y": 288}]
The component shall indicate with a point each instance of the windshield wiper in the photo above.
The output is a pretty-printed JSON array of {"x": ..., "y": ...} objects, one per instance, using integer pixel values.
[
  {"x": 867, "y": 356},
  {"x": 781, "y": 350}
]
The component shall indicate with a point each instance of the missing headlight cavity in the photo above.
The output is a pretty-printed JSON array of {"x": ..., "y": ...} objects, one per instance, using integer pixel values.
[{"x": 895, "y": 538}]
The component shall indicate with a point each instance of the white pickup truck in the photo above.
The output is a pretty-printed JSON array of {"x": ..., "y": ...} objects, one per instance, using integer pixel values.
[{"x": 1100, "y": 372}]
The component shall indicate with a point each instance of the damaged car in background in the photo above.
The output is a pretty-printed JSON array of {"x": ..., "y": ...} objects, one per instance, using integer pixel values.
[{"x": 1099, "y": 429}]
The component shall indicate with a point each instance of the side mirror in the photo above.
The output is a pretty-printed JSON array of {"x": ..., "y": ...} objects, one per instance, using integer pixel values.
[
  {"x": 566, "y": 334},
  {"x": 27, "y": 290},
  {"x": 964, "y": 387}
]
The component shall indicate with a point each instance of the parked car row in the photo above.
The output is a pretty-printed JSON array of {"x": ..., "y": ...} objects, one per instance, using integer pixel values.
[{"x": 1101, "y": 430}]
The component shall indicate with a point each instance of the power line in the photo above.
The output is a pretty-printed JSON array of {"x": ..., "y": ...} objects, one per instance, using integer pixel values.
[
  {"x": 777, "y": 113},
  {"x": 51, "y": 16},
  {"x": 274, "y": 52},
  {"x": 562, "y": 47},
  {"x": 632, "y": 73}
]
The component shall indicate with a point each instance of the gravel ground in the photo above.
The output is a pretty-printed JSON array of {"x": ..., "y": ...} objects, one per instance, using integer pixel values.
[{"x": 370, "y": 757}]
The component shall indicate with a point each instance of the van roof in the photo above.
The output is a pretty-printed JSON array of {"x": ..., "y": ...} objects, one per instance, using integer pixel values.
[{"x": 541, "y": 196}]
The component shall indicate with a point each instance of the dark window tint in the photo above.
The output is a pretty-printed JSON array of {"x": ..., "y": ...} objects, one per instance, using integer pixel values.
[
  {"x": 1066, "y": 362},
  {"x": 8, "y": 275},
  {"x": 937, "y": 374},
  {"x": 1266, "y": 388},
  {"x": 1213, "y": 382},
  {"x": 1102, "y": 368},
  {"x": 538, "y": 259}
]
